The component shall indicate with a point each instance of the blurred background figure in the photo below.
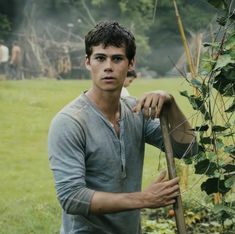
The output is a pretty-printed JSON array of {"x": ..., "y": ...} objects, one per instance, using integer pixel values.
[
  {"x": 131, "y": 75},
  {"x": 4, "y": 57},
  {"x": 15, "y": 62}
]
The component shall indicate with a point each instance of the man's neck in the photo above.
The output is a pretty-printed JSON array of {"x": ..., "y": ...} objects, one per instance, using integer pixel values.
[{"x": 107, "y": 102}]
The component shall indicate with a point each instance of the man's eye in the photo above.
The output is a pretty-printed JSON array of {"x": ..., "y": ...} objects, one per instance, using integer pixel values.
[
  {"x": 117, "y": 59},
  {"x": 99, "y": 58}
]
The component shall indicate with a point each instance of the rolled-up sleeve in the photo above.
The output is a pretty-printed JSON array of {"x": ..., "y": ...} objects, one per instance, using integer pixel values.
[
  {"x": 66, "y": 149},
  {"x": 184, "y": 150},
  {"x": 153, "y": 136}
]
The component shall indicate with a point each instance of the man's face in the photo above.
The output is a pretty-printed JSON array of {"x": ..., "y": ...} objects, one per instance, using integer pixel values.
[{"x": 108, "y": 67}]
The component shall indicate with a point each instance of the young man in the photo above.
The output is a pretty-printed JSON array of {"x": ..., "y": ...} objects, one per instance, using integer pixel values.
[
  {"x": 96, "y": 143},
  {"x": 131, "y": 75}
]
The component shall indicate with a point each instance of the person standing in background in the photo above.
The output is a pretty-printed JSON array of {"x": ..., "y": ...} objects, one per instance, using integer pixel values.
[
  {"x": 15, "y": 62},
  {"x": 4, "y": 57},
  {"x": 131, "y": 75}
]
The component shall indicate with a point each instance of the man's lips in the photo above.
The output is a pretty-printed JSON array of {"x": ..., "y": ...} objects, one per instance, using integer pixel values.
[{"x": 108, "y": 78}]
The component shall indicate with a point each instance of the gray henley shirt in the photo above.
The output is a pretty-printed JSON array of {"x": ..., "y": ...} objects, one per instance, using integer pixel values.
[{"x": 86, "y": 155}]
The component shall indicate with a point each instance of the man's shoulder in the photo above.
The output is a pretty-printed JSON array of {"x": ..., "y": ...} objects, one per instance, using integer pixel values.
[
  {"x": 129, "y": 101},
  {"x": 75, "y": 109}
]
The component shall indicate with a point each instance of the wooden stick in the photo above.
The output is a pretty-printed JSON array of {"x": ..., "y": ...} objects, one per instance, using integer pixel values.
[
  {"x": 178, "y": 207},
  {"x": 185, "y": 43}
]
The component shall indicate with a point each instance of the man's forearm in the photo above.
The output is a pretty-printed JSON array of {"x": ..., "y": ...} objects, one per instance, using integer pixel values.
[
  {"x": 180, "y": 128},
  {"x": 103, "y": 203},
  {"x": 160, "y": 193}
]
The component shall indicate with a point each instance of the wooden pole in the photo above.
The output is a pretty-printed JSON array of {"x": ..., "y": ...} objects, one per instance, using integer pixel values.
[
  {"x": 178, "y": 207},
  {"x": 185, "y": 43}
]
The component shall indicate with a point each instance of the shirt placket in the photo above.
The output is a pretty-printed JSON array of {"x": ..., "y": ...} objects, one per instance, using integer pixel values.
[
  {"x": 119, "y": 139},
  {"x": 122, "y": 149}
]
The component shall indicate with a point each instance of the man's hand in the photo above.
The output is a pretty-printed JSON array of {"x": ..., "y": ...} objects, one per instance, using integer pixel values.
[
  {"x": 152, "y": 103},
  {"x": 162, "y": 192}
]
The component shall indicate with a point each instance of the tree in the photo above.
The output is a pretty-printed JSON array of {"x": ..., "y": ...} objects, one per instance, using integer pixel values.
[{"x": 5, "y": 26}]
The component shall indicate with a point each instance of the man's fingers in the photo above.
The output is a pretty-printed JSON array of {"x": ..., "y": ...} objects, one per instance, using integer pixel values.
[
  {"x": 152, "y": 103},
  {"x": 147, "y": 107},
  {"x": 173, "y": 182},
  {"x": 159, "y": 106},
  {"x": 139, "y": 105},
  {"x": 174, "y": 195},
  {"x": 170, "y": 202},
  {"x": 161, "y": 177},
  {"x": 148, "y": 104},
  {"x": 153, "y": 113},
  {"x": 169, "y": 183}
]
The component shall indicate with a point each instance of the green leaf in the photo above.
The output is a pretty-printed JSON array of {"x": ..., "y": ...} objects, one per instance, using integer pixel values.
[
  {"x": 225, "y": 81},
  {"x": 184, "y": 93},
  {"x": 205, "y": 167},
  {"x": 206, "y": 140},
  {"x": 230, "y": 42},
  {"x": 212, "y": 44},
  {"x": 201, "y": 148},
  {"x": 231, "y": 108},
  {"x": 230, "y": 149},
  {"x": 199, "y": 104},
  {"x": 219, "y": 143},
  {"x": 202, "y": 128},
  {"x": 212, "y": 156},
  {"x": 196, "y": 83},
  {"x": 223, "y": 61},
  {"x": 219, "y": 4},
  {"x": 218, "y": 128},
  {"x": 229, "y": 167},
  {"x": 214, "y": 185},
  {"x": 229, "y": 183},
  {"x": 200, "y": 86},
  {"x": 229, "y": 134},
  {"x": 229, "y": 72},
  {"x": 229, "y": 89},
  {"x": 219, "y": 208}
]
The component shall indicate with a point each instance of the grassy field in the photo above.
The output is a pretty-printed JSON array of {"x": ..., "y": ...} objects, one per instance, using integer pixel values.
[{"x": 27, "y": 200}]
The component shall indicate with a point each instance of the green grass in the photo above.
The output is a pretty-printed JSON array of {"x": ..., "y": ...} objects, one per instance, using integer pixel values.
[{"x": 28, "y": 202}]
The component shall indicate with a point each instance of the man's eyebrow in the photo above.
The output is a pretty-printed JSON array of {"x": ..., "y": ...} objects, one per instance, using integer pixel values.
[
  {"x": 119, "y": 55},
  {"x": 99, "y": 54},
  {"x": 102, "y": 54}
]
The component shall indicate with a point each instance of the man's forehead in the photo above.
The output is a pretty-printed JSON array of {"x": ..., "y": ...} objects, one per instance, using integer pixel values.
[{"x": 101, "y": 49}]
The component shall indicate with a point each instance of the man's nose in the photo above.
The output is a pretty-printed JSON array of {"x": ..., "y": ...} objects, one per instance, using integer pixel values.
[{"x": 108, "y": 65}]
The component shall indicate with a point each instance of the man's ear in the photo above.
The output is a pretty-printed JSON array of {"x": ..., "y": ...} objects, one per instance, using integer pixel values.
[
  {"x": 131, "y": 65},
  {"x": 87, "y": 63}
]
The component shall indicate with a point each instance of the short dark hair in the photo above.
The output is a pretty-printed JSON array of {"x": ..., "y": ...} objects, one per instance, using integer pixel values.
[
  {"x": 110, "y": 34},
  {"x": 131, "y": 73}
]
